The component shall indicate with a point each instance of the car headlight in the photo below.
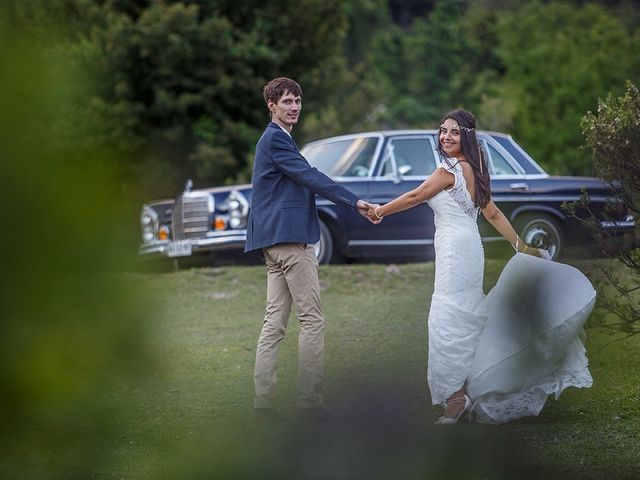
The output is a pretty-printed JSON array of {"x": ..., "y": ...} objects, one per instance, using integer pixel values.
[
  {"x": 238, "y": 210},
  {"x": 235, "y": 222},
  {"x": 149, "y": 224}
]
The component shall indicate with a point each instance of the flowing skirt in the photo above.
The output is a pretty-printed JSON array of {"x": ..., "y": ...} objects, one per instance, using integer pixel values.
[{"x": 530, "y": 346}]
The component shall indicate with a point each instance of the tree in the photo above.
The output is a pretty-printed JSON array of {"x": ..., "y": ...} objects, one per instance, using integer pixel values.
[
  {"x": 426, "y": 70},
  {"x": 179, "y": 84},
  {"x": 613, "y": 135},
  {"x": 353, "y": 102},
  {"x": 557, "y": 59}
]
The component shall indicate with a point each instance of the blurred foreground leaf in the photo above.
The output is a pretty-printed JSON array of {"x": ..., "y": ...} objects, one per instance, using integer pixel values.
[{"x": 68, "y": 330}]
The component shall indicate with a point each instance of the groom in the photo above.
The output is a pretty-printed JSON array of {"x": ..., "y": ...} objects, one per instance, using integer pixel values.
[{"x": 283, "y": 223}]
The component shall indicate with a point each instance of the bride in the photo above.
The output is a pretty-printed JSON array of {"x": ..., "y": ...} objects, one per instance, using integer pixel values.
[{"x": 497, "y": 356}]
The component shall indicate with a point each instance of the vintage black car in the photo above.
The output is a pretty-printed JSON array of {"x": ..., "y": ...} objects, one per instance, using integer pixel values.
[{"x": 379, "y": 166}]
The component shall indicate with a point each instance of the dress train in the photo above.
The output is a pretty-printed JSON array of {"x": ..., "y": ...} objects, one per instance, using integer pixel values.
[{"x": 530, "y": 346}]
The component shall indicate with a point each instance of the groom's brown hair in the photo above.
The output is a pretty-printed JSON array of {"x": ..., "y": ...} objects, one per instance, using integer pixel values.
[{"x": 276, "y": 88}]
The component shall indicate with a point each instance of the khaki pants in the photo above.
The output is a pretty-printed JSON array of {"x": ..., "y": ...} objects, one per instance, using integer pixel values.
[{"x": 292, "y": 277}]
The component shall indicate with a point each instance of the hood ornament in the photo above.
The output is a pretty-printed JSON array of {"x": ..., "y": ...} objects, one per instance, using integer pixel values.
[{"x": 188, "y": 185}]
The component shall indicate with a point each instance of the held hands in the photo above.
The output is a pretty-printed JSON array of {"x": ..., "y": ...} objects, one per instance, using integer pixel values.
[
  {"x": 362, "y": 207},
  {"x": 372, "y": 215},
  {"x": 366, "y": 210}
]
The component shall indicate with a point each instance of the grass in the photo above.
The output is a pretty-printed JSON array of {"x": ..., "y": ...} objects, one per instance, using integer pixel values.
[{"x": 190, "y": 414}]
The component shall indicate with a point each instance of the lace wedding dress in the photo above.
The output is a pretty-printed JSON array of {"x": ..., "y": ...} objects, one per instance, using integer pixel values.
[{"x": 513, "y": 347}]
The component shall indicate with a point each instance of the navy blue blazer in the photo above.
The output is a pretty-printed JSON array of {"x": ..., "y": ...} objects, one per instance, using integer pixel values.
[{"x": 283, "y": 204}]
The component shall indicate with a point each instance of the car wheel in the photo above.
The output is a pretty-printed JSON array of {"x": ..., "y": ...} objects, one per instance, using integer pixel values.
[
  {"x": 541, "y": 231},
  {"x": 325, "y": 247}
]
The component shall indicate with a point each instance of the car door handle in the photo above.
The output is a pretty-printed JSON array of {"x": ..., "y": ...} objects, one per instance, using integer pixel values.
[{"x": 519, "y": 186}]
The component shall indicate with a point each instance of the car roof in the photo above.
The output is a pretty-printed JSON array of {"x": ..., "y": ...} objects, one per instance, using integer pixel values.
[
  {"x": 389, "y": 133},
  {"x": 431, "y": 131},
  {"x": 524, "y": 159}
]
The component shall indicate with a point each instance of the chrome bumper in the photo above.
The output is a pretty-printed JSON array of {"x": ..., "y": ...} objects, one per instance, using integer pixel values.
[
  {"x": 218, "y": 241},
  {"x": 156, "y": 247},
  {"x": 627, "y": 224}
]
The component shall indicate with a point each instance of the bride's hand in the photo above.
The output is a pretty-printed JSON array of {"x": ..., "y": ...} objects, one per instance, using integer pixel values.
[
  {"x": 539, "y": 252},
  {"x": 542, "y": 253}
]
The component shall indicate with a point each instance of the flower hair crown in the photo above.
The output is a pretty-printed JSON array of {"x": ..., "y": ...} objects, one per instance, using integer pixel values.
[{"x": 466, "y": 129}]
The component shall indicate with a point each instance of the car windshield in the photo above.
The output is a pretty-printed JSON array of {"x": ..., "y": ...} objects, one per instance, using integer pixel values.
[{"x": 342, "y": 158}]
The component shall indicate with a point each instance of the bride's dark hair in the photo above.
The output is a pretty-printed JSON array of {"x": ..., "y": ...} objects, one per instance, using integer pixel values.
[{"x": 473, "y": 153}]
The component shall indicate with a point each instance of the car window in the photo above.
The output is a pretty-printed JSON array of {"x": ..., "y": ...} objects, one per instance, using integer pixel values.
[
  {"x": 342, "y": 158},
  {"x": 412, "y": 156},
  {"x": 500, "y": 164}
]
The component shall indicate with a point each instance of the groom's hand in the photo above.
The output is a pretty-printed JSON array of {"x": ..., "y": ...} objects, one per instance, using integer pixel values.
[{"x": 364, "y": 208}]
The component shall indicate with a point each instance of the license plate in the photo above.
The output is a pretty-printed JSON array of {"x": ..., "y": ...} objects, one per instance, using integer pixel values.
[{"x": 180, "y": 248}]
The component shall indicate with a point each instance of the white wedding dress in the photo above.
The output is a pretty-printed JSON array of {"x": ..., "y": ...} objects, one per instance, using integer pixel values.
[{"x": 513, "y": 347}]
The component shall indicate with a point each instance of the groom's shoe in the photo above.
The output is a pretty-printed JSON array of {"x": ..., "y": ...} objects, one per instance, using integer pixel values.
[{"x": 268, "y": 415}]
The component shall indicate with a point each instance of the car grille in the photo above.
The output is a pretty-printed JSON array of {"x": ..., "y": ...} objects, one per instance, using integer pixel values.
[{"x": 191, "y": 215}]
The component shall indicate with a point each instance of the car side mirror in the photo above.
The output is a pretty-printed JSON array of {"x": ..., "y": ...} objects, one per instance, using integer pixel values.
[{"x": 402, "y": 170}]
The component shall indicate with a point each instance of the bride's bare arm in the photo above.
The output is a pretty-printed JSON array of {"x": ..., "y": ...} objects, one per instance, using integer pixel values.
[
  {"x": 435, "y": 183},
  {"x": 497, "y": 219}
]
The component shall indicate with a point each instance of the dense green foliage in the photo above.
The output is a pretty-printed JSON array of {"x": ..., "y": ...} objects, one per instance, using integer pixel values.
[
  {"x": 528, "y": 68},
  {"x": 613, "y": 134},
  {"x": 178, "y": 84},
  {"x": 424, "y": 71},
  {"x": 68, "y": 328},
  {"x": 558, "y": 60}
]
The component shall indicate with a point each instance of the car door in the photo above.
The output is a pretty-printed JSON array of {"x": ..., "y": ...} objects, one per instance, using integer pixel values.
[
  {"x": 509, "y": 185},
  {"x": 405, "y": 162},
  {"x": 349, "y": 160}
]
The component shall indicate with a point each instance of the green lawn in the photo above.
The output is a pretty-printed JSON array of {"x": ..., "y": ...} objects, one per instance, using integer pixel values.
[{"x": 191, "y": 416}]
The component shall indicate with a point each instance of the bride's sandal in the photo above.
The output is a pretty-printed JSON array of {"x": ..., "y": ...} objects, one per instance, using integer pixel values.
[{"x": 452, "y": 420}]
